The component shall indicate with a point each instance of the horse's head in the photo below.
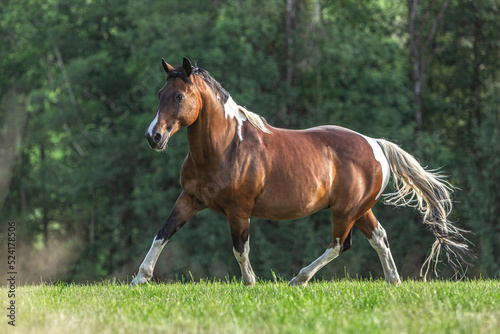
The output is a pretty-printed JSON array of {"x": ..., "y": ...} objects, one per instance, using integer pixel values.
[{"x": 179, "y": 105}]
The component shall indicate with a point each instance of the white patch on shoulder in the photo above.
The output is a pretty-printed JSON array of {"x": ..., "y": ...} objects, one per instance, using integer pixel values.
[
  {"x": 380, "y": 157},
  {"x": 153, "y": 123},
  {"x": 232, "y": 110}
]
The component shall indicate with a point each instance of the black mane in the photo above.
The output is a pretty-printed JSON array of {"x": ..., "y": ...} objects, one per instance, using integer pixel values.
[{"x": 178, "y": 72}]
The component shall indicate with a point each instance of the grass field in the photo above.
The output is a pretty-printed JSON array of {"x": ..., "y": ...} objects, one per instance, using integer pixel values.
[{"x": 342, "y": 306}]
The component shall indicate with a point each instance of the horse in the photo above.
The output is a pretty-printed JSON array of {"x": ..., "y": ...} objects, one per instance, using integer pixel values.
[{"x": 242, "y": 167}]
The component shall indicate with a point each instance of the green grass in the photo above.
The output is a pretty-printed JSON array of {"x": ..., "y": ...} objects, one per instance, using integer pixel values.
[{"x": 343, "y": 306}]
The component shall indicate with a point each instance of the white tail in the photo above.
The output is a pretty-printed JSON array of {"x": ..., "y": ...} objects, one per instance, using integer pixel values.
[{"x": 427, "y": 191}]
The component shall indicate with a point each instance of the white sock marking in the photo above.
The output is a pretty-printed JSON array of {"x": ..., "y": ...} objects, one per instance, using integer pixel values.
[
  {"x": 308, "y": 272},
  {"x": 148, "y": 265},
  {"x": 246, "y": 269},
  {"x": 384, "y": 253}
]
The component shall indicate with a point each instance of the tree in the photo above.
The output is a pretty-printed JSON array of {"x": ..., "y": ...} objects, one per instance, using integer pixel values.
[{"x": 422, "y": 30}]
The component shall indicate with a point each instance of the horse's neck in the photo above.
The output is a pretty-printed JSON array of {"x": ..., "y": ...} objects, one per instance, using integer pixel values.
[{"x": 211, "y": 134}]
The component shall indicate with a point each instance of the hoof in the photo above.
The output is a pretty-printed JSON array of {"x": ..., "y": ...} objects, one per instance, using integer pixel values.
[
  {"x": 248, "y": 283},
  {"x": 297, "y": 282},
  {"x": 139, "y": 280},
  {"x": 395, "y": 283}
]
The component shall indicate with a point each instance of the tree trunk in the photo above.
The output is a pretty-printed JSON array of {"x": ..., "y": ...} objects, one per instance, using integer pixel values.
[
  {"x": 45, "y": 208},
  {"x": 421, "y": 53},
  {"x": 416, "y": 70},
  {"x": 290, "y": 16},
  {"x": 476, "y": 77},
  {"x": 11, "y": 133},
  {"x": 92, "y": 216}
]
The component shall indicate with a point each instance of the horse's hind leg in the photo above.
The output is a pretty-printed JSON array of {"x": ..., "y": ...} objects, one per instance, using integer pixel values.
[
  {"x": 375, "y": 233},
  {"x": 341, "y": 234}
]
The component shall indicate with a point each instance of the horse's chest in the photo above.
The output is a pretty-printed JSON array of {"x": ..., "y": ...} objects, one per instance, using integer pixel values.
[
  {"x": 213, "y": 191},
  {"x": 207, "y": 193},
  {"x": 221, "y": 186}
]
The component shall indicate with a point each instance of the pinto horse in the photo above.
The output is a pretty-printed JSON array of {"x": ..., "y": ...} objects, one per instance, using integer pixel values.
[{"x": 241, "y": 166}]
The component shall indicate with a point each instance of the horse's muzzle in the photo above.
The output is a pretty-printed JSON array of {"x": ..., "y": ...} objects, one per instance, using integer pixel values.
[{"x": 157, "y": 141}]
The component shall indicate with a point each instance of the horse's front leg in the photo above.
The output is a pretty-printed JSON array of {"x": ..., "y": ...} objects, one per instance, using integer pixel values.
[
  {"x": 184, "y": 208},
  {"x": 240, "y": 229}
]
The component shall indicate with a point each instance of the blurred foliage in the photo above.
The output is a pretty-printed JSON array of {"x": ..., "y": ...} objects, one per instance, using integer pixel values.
[{"x": 88, "y": 72}]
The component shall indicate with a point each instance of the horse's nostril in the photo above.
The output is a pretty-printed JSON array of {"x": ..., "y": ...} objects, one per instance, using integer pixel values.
[{"x": 157, "y": 138}]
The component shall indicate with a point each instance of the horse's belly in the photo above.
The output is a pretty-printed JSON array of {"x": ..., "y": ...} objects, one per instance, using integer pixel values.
[
  {"x": 286, "y": 212},
  {"x": 289, "y": 204}
]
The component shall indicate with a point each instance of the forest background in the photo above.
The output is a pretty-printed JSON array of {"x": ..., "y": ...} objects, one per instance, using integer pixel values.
[{"x": 78, "y": 84}]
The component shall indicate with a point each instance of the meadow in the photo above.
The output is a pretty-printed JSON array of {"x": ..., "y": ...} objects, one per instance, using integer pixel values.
[{"x": 340, "y": 306}]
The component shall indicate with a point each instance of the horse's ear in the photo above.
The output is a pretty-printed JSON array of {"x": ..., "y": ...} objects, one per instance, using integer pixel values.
[
  {"x": 166, "y": 67},
  {"x": 186, "y": 66}
]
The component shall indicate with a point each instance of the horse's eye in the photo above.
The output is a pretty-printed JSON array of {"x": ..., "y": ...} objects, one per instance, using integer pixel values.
[{"x": 179, "y": 97}]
